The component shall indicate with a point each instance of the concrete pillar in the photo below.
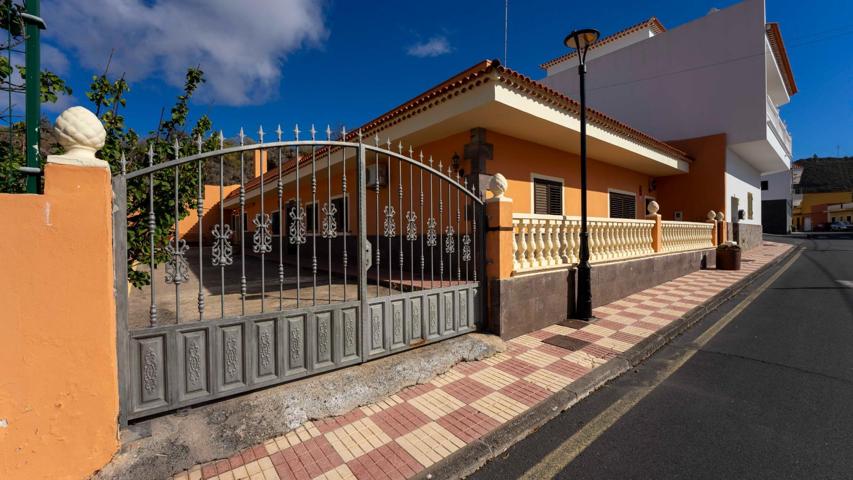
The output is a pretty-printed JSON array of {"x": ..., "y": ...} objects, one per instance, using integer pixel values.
[
  {"x": 59, "y": 400},
  {"x": 657, "y": 230},
  {"x": 499, "y": 255}
]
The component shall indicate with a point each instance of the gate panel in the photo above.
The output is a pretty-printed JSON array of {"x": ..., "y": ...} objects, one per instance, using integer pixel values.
[{"x": 299, "y": 273}]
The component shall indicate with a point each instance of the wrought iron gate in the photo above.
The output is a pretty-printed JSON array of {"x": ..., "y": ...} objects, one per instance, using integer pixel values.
[{"x": 284, "y": 300}]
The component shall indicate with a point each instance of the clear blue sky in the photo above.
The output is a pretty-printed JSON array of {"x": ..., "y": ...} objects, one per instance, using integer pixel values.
[{"x": 355, "y": 60}]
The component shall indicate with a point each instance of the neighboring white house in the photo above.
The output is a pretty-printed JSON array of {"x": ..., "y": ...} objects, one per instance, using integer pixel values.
[
  {"x": 726, "y": 72},
  {"x": 777, "y": 201}
]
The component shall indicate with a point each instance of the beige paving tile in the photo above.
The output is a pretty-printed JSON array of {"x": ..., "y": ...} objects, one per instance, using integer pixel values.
[
  {"x": 526, "y": 341},
  {"x": 493, "y": 377},
  {"x": 558, "y": 330},
  {"x": 253, "y": 467},
  {"x": 357, "y": 438},
  {"x": 436, "y": 403},
  {"x": 226, "y": 476},
  {"x": 499, "y": 406},
  {"x": 430, "y": 443},
  {"x": 548, "y": 380},
  {"x": 613, "y": 344},
  {"x": 598, "y": 330},
  {"x": 496, "y": 359},
  {"x": 638, "y": 331},
  {"x": 240, "y": 473},
  {"x": 181, "y": 476},
  {"x": 271, "y": 474},
  {"x": 535, "y": 357},
  {"x": 271, "y": 446},
  {"x": 449, "y": 377},
  {"x": 584, "y": 359}
]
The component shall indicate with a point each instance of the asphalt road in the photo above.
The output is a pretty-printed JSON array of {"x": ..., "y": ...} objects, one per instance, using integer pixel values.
[{"x": 769, "y": 395}]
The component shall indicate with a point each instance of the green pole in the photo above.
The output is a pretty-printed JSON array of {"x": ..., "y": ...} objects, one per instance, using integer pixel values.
[{"x": 33, "y": 95}]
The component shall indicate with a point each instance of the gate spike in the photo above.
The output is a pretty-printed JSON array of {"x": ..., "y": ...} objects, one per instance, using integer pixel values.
[
  {"x": 400, "y": 147},
  {"x": 242, "y": 136},
  {"x": 199, "y": 142},
  {"x": 278, "y": 132},
  {"x": 296, "y": 132},
  {"x": 343, "y": 133},
  {"x": 151, "y": 154},
  {"x": 221, "y": 140},
  {"x": 313, "y": 133},
  {"x": 328, "y": 132},
  {"x": 123, "y": 164},
  {"x": 466, "y": 182},
  {"x": 359, "y": 136},
  {"x": 177, "y": 148},
  {"x": 421, "y": 156},
  {"x": 430, "y": 160},
  {"x": 411, "y": 152},
  {"x": 388, "y": 143},
  {"x": 376, "y": 139},
  {"x": 440, "y": 166},
  {"x": 261, "y": 134}
]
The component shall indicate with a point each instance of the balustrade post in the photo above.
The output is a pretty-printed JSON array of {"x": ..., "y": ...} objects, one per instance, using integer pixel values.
[
  {"x": 722, "y": 233},
  {"x": 500, "y": 237},
  {"x": 657, "y": 229}
]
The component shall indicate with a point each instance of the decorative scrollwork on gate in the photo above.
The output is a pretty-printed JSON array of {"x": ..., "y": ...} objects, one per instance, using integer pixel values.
[
  {"x": 431, "y": 236},
  {"x": 449, "y": 243},
  {"x": 466, "y": 248},
  {"x": 222, "y": 250},
  {"x": 262, "y": 239},
  {"x": 411, "y": 226},
  {"x": 177, "y": 269},
  {"x": 297, "y": 226},
  {"x": 330, "y": 225},
  {"x": 390, "y": 225}
]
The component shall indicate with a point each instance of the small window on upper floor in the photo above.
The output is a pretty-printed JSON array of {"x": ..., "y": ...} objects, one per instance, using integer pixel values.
[
  {"x": 547, "y": 197},
  {"x": 765, "y": 185}
]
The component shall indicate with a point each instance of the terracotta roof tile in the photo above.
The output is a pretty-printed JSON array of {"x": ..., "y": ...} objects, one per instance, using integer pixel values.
[
  {"x": 777, "y": 46},
  {"x": 652, "y": 23},
  {"x": 480, "y": 74}
]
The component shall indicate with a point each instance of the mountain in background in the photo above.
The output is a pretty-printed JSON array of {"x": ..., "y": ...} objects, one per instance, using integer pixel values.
[{"x": 826, "y": 174}]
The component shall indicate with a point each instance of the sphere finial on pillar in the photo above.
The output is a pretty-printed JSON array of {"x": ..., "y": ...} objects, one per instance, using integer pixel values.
[
  {"x": 81, "y": 133},
  {"x": 711, "y": 215},
  {"x": 653, "y": 207},
  {"x": 497, "y": 185}
]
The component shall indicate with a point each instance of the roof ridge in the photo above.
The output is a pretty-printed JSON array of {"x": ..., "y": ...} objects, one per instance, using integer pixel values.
[{"x": 651, "y": 21}]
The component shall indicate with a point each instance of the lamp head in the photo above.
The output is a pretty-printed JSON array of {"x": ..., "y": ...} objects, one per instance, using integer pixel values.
[{"x": 581, "y": 39}]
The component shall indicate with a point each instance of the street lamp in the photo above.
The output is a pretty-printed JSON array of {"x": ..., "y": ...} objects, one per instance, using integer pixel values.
[{"x": 580, "y": 40}]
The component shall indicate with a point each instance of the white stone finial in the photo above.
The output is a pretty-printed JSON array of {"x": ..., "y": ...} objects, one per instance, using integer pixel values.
[
  {"x": 711, "y": 215},
  {"x": 497, "y": 185},
  {"x": 653, "y": 207},
  {"x": 721, "y": 216},
  {"x": 81, "y": 133}
]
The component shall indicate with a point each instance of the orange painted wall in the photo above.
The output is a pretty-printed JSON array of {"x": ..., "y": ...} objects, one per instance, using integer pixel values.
[
  {"x": 58, "y": 382},
  {"x": 189, "y": 225},
  {"x": 516, "y": 159},
  {"x": 703, "y": 189}
]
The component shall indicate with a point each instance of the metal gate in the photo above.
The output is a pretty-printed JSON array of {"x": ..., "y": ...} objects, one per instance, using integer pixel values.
[{"x": 289, "y": 273}]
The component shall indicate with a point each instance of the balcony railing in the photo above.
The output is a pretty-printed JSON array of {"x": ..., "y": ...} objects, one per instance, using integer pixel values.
[
  {"x": 552, "y": 241},
  {"x": 777, "y": 125}
]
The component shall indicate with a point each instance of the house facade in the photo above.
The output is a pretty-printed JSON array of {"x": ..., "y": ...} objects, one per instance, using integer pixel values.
[
  {"x": 726, "y": 73},
  {"x": 777, "y": 201},
  {"x": 823, "y": 190}
]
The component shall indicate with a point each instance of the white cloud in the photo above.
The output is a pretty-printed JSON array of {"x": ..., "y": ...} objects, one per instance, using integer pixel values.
[
  {"x": 240, "y": 45},
  {"x": 53, "y": 59},
  {"x": 435, "y": 46}
]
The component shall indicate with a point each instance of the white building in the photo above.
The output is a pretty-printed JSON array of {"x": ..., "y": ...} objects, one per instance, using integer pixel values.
[{"x": 726, "y": 72}]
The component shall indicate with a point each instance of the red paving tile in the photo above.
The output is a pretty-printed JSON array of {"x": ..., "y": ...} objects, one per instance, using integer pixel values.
[
  {"x": 467, "y": 423},
  {"x": 517, "y": 367},
  {"x": 525, "y": 392},
  {"x": 401, "y": 419}
]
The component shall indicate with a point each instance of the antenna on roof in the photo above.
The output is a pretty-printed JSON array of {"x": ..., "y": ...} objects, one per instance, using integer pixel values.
[{"x": 506, "y": 27}]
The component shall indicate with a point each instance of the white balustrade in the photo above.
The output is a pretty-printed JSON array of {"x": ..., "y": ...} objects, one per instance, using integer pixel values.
[
  {"x": 682, "y": 236},
  {"x": 550, "y": 241}
]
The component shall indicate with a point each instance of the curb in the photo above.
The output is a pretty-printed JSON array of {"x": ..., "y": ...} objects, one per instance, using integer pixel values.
[{"x": 470, "y": 458}]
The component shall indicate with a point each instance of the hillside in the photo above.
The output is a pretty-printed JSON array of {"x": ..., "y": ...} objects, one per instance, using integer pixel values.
[{"x": 826, "y": 174}]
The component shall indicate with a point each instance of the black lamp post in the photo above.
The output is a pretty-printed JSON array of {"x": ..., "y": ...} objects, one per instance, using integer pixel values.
[{"x": 580, "y": 40}]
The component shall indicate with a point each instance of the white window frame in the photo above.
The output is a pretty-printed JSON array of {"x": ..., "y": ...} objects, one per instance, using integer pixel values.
[
  {"x": 623, "y": 192},
  {"x": 540, "y": 176}
]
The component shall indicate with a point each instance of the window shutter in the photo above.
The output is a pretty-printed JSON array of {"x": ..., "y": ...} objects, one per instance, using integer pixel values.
[
  {"x": 623, "y": 206},
  {"x": 547, "y": 197}
]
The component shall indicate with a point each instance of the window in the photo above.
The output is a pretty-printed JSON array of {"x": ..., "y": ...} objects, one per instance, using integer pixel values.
[
  {"x": 749, "y": 205},
  {"x": 547, "y": 197},
  {"x": 623, "y": 205},
  {"x": 765, "y": 185}
]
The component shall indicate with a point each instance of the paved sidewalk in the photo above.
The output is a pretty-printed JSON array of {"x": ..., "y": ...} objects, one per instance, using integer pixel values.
[{"x": 419, "y": 426}]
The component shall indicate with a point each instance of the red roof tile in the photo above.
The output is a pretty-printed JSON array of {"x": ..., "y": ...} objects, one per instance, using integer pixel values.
[{"x": 652, "y": 23}]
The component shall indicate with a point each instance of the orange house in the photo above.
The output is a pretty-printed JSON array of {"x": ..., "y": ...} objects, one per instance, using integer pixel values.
[{"x": 489, "y": 119}]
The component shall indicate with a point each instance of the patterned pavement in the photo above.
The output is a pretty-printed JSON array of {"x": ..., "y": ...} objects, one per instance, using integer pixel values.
[{"x": 401, "y": 435}]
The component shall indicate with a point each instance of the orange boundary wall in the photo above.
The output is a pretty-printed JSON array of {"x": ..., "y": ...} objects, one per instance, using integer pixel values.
[{"x": 58, "y": 382}]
